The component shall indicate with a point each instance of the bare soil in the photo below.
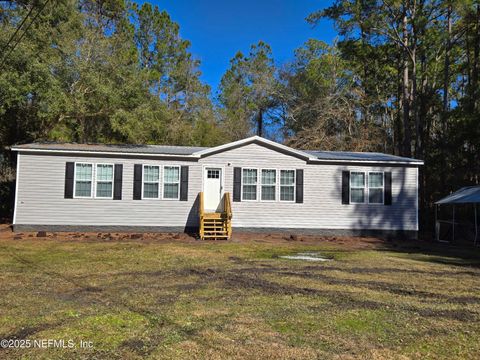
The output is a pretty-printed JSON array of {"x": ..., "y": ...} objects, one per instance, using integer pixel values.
[{"x": 354, "y": 243}]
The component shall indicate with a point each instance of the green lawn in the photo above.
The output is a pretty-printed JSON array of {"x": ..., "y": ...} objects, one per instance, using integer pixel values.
[{"x": 156, "y": 299}]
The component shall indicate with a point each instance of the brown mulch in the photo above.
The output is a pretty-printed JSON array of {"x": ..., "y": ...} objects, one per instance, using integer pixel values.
[{"x": 6, "y": 233}]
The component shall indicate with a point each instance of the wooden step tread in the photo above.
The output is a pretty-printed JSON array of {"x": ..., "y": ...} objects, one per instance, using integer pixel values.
[{"x": 212, "y": 215}]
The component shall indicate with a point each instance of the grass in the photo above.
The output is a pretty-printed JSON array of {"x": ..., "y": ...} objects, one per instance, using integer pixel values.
[{"x": 139, "y": 299}]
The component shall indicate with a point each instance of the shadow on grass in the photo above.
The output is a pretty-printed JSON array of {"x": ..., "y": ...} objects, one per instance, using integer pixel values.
[{"x": 438, "y": 253}]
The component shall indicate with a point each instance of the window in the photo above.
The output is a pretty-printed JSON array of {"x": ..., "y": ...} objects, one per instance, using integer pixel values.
[
  {"x": 287, "y": 185},
  {"x": 249, "y": 184},
  {"x": 171, "y": 182},
  {"x": 375, "y": 188},
  {"x": 83, "y": 180},
  {"x": 104, "y": 181},
  {"x": 151, "y": 178},
  {"x": 357, "y": 187},
  {"x": 269, "y": 180},
  {"x": 213, "y": 174}
]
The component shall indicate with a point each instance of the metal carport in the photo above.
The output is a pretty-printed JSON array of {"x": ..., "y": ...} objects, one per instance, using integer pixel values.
[{"x": 466, "y": 195}]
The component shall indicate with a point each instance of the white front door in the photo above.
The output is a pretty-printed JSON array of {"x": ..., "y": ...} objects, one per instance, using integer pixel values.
[{"x": 212, "y": 188}]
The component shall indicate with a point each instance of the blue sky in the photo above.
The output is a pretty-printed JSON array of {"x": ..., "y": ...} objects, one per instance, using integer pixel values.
[{"x": 218, "y": 29}]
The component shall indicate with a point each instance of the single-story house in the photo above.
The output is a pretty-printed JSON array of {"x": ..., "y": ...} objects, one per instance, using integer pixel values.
[{"x": 266, "y": 186}]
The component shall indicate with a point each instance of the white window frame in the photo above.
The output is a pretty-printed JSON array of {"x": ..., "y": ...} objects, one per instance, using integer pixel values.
[
  {"x": 75, "y": 180},
  {"x": 163, "y": 181},
  {"x": 294, "y": 185},
  {"x": 275, "y": 185},
  {"x": 96, "y": 181},
  {"x": 382, "y": 187},
  {"x": 256, "y": 185},
  {"x": 365, "y": 187},
  {"x": 159, "y": 181}
]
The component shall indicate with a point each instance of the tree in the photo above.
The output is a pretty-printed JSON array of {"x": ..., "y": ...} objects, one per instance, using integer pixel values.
[
  {"x": 323, "y": 102},
  {"x": 248, "y": 92},
  {"x": 101, "y": 71}
]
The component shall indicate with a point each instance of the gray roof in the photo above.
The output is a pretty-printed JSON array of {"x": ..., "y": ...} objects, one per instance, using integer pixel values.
[
  {"x": 120, "y": 148},
  {"x": 359, "y": 156},
  {"x": 466, "y": 195},
  {"x": 190, "y": 150}
]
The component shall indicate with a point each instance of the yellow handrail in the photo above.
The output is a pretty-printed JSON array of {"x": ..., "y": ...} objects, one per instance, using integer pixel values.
[
  {"x": 227, "y": 208},
  {"x": 201, "y": 212}
]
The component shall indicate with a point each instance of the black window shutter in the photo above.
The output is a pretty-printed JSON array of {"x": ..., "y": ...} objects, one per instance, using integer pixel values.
[
  {"x": 184, "y": 183},
  {"x": 237, "y": 184},
  {"x": 137, "y": 182},
  {"x": 388, "y": 188},
  {"x": 299, "y": 186},
  {"x": 69, "y": 175},
  {"x": 117, "y": 182},
  {"x": 345, "y": 187}
]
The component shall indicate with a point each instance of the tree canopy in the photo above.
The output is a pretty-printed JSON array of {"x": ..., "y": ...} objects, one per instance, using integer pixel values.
[{"x": 101, "y": 71}]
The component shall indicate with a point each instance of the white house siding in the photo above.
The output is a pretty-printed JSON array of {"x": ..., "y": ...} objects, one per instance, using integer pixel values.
[
  {"x": 41, "y": 200},
  {"x": 41, "y": 195},
  {"x": 322, "y": 200}
]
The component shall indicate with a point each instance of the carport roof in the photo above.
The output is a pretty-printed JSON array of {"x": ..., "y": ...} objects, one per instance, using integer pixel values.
[{"x": 466, "y": 195}]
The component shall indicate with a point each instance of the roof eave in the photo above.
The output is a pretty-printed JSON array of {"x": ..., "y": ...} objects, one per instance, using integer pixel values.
[
  {"x": 113, "y": 153},
  {"x": 349, "y": 161}
]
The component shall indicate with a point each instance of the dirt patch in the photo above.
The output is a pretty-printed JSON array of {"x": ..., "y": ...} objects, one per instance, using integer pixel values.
[
  {"x": 383, "y": 286},
  {"x": 90, "y": 289},
  {"x": 369, "y": 284},
  {"x": 393, "y": 270},
  {"x": 348, "y": 243},
  {"x": 28, "y": 331},
  {"x": 137, "y": 345},
  {"x": 459, "y": 315},
  {"x": 6, "y": 233},
  {"x": 236, "y": 259},
  {"x": 238, "y": 280}
]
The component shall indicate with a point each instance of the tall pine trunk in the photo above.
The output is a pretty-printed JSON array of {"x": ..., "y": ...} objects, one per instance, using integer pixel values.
[
  {"x": 260, "y": 122},
  {"x": 476, "y": 54},
  {"x": 445, "y": 107},
  {"x": 407, "y": 137},
  {"x": 446, "y": 68}
]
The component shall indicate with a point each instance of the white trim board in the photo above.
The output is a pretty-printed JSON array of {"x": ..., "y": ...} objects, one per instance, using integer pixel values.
[{"x": 17, "y": 176}]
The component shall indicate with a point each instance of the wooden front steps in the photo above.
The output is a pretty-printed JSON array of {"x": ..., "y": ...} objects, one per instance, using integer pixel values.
[{"x": 216, "y": 225}]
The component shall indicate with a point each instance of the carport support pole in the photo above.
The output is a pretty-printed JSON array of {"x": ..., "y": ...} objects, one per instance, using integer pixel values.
[
  {"x": 453, "y": 225},
  {"x": 436, "y": 230},
  {"x": 476, "y": 227}
]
